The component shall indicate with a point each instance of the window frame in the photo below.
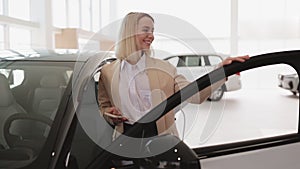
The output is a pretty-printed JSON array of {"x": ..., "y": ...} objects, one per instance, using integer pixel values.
[
  {"x": 287, "y": 57},
  {"x": 290, "y": 58}
]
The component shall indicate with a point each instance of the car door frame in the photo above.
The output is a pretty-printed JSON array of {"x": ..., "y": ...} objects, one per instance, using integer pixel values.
[
  {"x": 290, "y": 58},
  {"x": 286, "y": 57}
]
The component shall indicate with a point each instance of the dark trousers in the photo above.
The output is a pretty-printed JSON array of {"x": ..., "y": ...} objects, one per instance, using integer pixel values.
[{"x": 146, "y": 131}]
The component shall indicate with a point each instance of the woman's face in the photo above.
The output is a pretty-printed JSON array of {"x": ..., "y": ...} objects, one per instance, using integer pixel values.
[{"x": 144, "y": 36}]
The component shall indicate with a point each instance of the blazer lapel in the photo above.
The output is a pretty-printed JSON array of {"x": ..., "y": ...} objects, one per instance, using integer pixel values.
[
  {"x": 115, "y": 84},
  {"x": 154, "y": 81},
  {"x": 156, "y": 93}
]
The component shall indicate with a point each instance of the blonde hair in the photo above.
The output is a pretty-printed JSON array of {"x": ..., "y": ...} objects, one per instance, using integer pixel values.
[{"x": 126, "y": 44}]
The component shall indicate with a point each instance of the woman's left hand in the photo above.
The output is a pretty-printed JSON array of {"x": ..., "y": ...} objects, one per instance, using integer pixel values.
[{"x": 229, "y": 60}]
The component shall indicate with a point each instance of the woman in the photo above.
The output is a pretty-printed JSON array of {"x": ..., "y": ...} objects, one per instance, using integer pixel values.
[{"x": 136, "y": 82}]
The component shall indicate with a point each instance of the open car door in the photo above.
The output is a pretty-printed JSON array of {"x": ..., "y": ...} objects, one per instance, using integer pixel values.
[{"x": 246, "y": 147}]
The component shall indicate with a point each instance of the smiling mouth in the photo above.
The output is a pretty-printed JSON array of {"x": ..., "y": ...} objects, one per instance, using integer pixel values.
[{"x": 147, "y": 42}]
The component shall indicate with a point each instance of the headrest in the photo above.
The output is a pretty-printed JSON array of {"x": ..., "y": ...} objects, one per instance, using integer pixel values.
[
  {"x": 50, "y": 81},
  {"x": 6, "y": 94}
]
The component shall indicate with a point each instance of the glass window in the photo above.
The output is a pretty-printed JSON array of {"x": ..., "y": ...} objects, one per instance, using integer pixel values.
[
  {"x": 1, "y": 7},
  {"x": 73, "y": 15},
  {"x": 175, "y": 61},
  {"x": 260, "y": 109},
  {"x": 86, "y": 14},
  {"x": 221, "y": 45},
  {"x": 1, "y": 37},
  {"x": 19, "y": 9},
  {"x": 95, "y": 15},
  {"x": 19, "y": 38},
  {"x": 214, "y": 60},
  {"x": 193, "y": 61},
  {"x": 105, "y": 12},
  {"x": 59, "y": 13},
  {"x": 276, "y": 27},
  {"x": 209, "y": 26}
]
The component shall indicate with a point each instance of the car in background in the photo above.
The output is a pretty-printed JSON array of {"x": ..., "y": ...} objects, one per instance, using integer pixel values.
[
  {"x": 289, "y": 82},
  {"x": 193, "y": 66}
]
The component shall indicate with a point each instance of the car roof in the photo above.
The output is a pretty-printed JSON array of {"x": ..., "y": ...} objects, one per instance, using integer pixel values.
[{"x": 49, "y": 55}]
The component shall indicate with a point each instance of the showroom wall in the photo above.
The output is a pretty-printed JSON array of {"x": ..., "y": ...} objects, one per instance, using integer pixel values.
[
  {"x": 230, "y": 26},
  {"x": 233, "y": 26}
]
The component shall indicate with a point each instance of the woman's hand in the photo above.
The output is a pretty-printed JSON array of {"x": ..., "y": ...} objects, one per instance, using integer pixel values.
[
  {"x": 115, "y": 115},
  {"x": 229, "y": 60}
]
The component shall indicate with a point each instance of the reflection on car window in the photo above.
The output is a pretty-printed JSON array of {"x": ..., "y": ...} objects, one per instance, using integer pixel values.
[
  {"x": 214, "y": 60},
  {"x": 193, "y": 61},
  {"x": 30, "y": 96},
  {"x": 15, "y": 77},
  {"x": 260, "y": 109}
]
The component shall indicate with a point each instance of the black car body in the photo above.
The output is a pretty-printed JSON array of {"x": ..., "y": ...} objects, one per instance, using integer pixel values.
[{"x": 71, "y": 133}]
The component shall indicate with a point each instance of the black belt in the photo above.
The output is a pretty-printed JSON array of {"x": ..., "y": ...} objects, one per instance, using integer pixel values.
[{"x": 148, "y": 130}]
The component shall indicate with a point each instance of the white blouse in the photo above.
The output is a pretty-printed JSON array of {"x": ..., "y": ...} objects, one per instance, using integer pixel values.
[{"x": 134, "y": 89}]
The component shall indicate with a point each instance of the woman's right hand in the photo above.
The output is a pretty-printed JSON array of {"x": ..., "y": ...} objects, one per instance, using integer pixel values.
[{"x": 115, "y": 115}]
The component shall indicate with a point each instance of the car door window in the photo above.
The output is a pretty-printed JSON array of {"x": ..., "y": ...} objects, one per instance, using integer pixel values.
[
  {"x": 254, "y": 112},
  {"x": 261, "y": 109},
  {"x": 214, "y": 60},
  {"x": 193, "y": 61}
]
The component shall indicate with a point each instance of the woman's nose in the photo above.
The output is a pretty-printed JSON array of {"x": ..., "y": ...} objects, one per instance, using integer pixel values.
[{"x": 150, "y": 34}]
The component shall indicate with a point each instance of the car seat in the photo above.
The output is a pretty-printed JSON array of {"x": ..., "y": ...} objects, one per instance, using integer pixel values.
[
  {"x": 8, "y": 107},
  {"x": 46, "y": 98}
]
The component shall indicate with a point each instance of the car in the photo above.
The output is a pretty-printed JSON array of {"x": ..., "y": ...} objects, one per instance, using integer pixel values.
[
  {"x": 49, "y": 118},
  {"x": 289, "y": 82},
  {"x": 193, "y": 66}
]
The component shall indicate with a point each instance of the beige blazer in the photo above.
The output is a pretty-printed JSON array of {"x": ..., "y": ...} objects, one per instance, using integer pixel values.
[{"x": 164, "y": 81}]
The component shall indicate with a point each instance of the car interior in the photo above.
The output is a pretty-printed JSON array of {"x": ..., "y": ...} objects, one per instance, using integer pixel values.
[
  {"x": 9, "y": 106},
  {"x": 30, "y": 99}
]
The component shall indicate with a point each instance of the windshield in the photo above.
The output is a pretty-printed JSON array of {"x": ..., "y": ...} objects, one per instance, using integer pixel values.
[{"x": 31, "y": 93}]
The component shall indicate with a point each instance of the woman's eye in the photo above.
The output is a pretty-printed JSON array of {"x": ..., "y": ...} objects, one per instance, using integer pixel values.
[{"x": 145, "y": 30}]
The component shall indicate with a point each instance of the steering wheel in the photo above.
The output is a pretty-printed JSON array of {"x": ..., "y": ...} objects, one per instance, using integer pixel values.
[{"x": 19, "y": 131}]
